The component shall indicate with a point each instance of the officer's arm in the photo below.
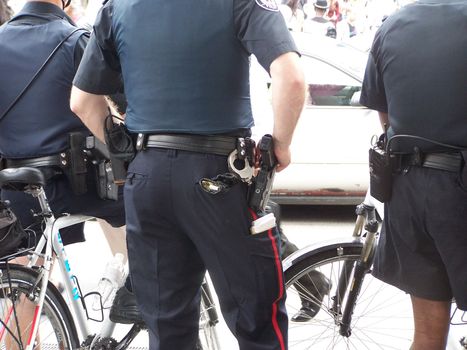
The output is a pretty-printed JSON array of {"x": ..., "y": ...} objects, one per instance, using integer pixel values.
[
  {"x": 384, "y": 120},
  {"x": 288, "y": 97},
  {"x": 91, "y": 109}
]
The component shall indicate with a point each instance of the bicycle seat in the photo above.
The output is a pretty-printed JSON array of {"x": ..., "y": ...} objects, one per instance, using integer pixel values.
[{"x": 19, "y": 179}]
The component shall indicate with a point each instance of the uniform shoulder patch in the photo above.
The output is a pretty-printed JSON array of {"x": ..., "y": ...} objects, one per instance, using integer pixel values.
[{"x": 269, "y": 5}]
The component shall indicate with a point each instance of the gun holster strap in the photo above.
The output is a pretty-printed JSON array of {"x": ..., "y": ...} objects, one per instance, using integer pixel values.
[
  {"x": 219, "y": 145},
  {"x": 60, "y": 160},
  {"x": 451, "y": 162}
]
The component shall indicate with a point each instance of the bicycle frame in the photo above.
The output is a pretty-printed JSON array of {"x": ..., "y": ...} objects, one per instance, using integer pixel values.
[{"x": 52, "y": 242}]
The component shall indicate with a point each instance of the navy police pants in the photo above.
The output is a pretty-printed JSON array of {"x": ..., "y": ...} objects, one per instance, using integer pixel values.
[{"x": 175, "y": 231}]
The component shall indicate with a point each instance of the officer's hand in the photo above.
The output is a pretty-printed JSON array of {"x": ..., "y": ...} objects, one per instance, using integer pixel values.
[{"x": 283, "y": 155}]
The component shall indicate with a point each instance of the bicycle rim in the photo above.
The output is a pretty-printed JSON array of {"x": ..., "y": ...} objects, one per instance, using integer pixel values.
[
  {"x": 55, "y": 328},
  {"x": 381, "y": 319}
]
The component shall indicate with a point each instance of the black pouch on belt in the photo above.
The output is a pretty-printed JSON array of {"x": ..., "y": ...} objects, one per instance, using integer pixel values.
[
  {"x": 104, "y": 169},
  {"x": 380, "y": 174},
  {"x": 77, "y": 167},
  {"x": 118, "y": 140}
]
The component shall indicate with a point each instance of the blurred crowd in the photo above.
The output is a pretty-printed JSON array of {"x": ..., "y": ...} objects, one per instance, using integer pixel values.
[
  {"x": 346, "y": 18},
  {"x": 340, "y": 19}
]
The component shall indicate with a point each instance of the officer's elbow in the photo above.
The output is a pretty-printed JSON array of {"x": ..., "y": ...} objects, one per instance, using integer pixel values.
[
  {"x": 286, "y": 71},
  {"x": 76, "y": 101},
  {"x": 86, "y": 105}
]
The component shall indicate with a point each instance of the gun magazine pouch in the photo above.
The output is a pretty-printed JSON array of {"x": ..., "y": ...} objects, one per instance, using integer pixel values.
[
  {"x": 109, "y": 172},
  {"x": 106, "y": 186},
  {"x": 380, "y": 174}
]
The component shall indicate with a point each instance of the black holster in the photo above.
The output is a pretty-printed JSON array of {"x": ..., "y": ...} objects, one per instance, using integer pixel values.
[
  {"x": 76, "y": 170},
  {"x": 260, "y": 190}
]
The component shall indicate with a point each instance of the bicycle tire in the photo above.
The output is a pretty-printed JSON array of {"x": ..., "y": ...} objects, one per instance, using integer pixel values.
[
  {"x": 56, "y": 327},
  {"x": 382, "y": 316}
]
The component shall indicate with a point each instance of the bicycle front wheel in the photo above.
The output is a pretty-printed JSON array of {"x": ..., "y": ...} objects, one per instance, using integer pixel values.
[
  {"x": 18, "y": 291},
  {"x": 382, "y": 314}
]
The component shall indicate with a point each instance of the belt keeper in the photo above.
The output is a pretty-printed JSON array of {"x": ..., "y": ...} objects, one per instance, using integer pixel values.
[
  {"x": 245, "y": 149},
  {"x": 141, "y": 140},
  {"x": 241, "y": 148}
]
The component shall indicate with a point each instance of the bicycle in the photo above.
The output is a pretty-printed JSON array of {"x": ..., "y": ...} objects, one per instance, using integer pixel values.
[
  {"x": 359, "y": 311},
  {"x": 57, "y": 324}
]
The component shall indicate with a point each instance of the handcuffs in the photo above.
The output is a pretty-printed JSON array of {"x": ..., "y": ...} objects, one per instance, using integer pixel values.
[{"x": 241, "y": 169}]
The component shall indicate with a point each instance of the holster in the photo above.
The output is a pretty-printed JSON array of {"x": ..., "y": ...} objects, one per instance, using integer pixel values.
[
  {"x": 77, "y": 167},
  {"x": 260, "y": 190}
]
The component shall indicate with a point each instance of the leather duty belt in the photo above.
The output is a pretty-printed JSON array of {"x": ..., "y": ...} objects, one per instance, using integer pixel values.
[
  {"x": 60, "y": 160},
  {"x": 219, "y": 145},
  {"x": 451, "y": 162}
]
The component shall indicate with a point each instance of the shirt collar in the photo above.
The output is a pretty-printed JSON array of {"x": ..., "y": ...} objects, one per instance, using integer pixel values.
[{"x": 38, "y": 7}]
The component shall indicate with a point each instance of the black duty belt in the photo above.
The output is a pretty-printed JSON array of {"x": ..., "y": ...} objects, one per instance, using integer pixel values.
[
  {"x": 60, "y": 160},
  {"x": 442, "y": 161},
  {"x": 219, "y": 145}
]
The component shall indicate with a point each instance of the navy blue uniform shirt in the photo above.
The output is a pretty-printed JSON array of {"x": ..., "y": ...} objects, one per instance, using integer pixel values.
[
  {"x": 39, "y": 123},
  {"x": 185, "y": 64},
  {"x": 414, "y": 74}
]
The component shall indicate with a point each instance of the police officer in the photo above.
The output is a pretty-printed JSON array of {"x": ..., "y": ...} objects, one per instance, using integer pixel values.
[
  {"x": 416, "y": 78},
  {"x": 185, "y": 69},
  {"x": 35, "y": 117}
]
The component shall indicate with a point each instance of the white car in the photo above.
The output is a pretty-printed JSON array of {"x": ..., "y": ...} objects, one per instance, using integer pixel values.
[{"x": 333, "y": 136}]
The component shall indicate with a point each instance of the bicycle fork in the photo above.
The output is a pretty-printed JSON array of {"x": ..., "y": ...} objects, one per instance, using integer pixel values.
[{"x": 352, "y": 275}]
